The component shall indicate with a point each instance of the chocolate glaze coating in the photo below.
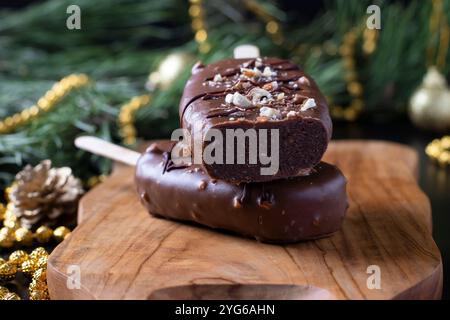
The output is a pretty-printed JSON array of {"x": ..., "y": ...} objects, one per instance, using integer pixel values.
[
  {"x": 304, "y": 134},
  {"x": 280, "y": 211}
]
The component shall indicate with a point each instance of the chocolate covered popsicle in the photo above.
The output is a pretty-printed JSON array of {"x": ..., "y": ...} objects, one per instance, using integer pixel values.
[
  {"x": 280, "y": 211},
  {"x": 260, "y": 93}
]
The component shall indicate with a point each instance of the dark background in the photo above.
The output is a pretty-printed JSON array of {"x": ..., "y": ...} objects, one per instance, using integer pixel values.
[{"x": 434, "y": 180}]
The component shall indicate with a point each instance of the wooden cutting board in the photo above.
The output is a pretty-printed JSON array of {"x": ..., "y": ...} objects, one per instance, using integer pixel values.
[{"x": 124, "y": 253}]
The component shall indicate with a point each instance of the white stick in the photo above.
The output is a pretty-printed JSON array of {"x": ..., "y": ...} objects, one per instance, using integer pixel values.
[
  {"x": 107, "y": 149},
  {"x": 245, "y": 51}
]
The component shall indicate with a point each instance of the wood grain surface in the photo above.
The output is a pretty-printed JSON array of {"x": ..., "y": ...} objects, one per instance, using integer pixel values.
[{"x": 124, "y": 253}]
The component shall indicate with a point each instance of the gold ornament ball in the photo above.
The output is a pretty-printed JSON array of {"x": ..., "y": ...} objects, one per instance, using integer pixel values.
[
  {"x": 61, "y": 233},
  {"x": 44, "y": 234},
  {"x": 7, "y": 272},
  {"x": 28, "y": 267},
  {"x": 18, "y": 257},
  {"x": 24, "y": 236},
  {"x": 38, "y": 253}
]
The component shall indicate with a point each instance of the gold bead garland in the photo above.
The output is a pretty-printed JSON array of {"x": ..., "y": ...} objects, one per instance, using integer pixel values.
[
  {"x": 9, "y": 237},
  {"x": 272, "y": 25},
  {"x": 439, "y": 150},
  {"x": 23, "y": 236},
  {"x": 43, "y": 234},
  {"x": 127, "y": 129},
  {"x": 46, "y": 103},
  {"x": 18, "y": 257},
  {"x": 8, "y": 271},
  {"x": 354, "y": 86},
  {"x": 32, "y": 265},
  {"x": 196, "y": 11},
  {"x": 61, "y": 233}
]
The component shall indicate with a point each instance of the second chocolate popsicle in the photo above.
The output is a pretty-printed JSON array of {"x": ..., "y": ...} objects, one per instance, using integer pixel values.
[
  {"x": 266, "y": 93},
  {"x": 280, "y": 211}
]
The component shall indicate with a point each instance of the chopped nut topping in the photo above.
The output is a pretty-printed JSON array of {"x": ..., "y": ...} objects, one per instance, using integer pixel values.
[
  {"x": 267, "y": 86},
  {"x": 258, "y": 62},
  {"x": 258, "y": 94},
  {"x": 268, "y": 72},
  {"x": 308, "y": 104},
  {"x": 270, "y": 113},
  {"x": 251, "y": 73},
  {"x": 229, "y": 98},
  {"x": 291, "y": 114},
  {"x": 241, "y": 101},
  {"x": 280, "y": 96},
  {"x": 274, "y": 85},
  {"x": 217, "y": 78},
  {"x": 304, "y": 81},
  {"x": 270, "y": 86}
]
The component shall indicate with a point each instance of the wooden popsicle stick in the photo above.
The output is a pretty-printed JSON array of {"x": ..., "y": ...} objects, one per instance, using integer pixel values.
[{"x": 107, "y": 149}]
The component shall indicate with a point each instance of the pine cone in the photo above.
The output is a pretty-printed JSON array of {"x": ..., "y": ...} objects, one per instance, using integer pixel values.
[{"x": 45, "y": 195}]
